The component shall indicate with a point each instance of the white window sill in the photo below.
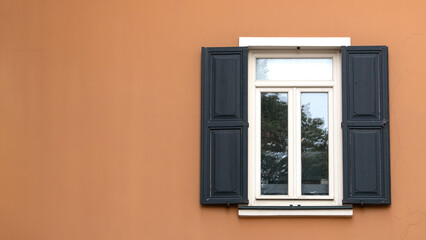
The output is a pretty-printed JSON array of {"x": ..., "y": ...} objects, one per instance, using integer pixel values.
[{"x": 269, "y": 211}]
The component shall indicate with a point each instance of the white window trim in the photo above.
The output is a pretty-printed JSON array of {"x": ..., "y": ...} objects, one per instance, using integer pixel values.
[
  {"x": 295, "y": 41},
  {"x": 316, "y": 49},
  {"x": 296, "y": 213}
]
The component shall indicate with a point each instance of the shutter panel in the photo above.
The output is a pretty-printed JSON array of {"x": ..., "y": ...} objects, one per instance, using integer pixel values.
[
  {"x": 366, "y": 158},
  {"x": 224, "y": 124}
]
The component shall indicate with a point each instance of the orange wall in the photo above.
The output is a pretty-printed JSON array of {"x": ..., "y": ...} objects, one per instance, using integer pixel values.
[{"x": 100, "y": 116}]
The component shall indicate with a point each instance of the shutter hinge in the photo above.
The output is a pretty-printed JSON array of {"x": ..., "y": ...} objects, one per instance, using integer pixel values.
[
  {"x": 385, "y": 123},
  {"x": 342, "y": 124},
  {"x": 246, "y": 124}
]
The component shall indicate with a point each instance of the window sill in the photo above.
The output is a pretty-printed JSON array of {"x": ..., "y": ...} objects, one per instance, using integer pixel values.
[{"x": 295, "y": 211}]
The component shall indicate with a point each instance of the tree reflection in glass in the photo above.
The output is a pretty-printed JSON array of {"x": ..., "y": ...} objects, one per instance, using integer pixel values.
[
  {"x": 314, "y": 143},
  {"x": 274, "y": 144}
]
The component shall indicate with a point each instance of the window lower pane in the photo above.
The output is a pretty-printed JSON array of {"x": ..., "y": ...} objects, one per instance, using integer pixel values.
[
  {"x": 274, "y": 144},
  {"x": 314, "y": 143}
]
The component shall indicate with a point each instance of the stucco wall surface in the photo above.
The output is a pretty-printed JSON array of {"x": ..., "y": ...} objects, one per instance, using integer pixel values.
[{"x": 100, "y": 116}]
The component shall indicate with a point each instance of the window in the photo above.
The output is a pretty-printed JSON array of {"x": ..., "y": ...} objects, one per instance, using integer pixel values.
[
  {"x": 294, "y": 152},
  {"x": 295, "y": 124}
]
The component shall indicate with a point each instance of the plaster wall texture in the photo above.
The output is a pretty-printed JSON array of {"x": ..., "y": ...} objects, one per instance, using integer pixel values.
[{"x": 100, "y": 115}]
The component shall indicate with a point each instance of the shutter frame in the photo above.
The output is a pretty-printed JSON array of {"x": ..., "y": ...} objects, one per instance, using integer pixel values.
[
  {"x": 365, "y": 125},
  {"x": 224, "y": 123}
]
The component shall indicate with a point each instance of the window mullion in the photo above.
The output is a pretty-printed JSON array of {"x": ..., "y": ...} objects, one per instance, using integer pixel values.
[{"x": 297, "y": 137}]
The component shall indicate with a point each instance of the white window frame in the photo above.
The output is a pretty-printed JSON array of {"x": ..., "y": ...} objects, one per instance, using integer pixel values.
[
  {"x": 294, "y": 126},
  {"x": 295, "y": 48}
]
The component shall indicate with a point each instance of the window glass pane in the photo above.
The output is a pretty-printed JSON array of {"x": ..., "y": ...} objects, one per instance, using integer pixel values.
[
  {"x": 294, "y": 69},
  {"x": 274, "y": 144},
  {"x": 314, "y": 143}
]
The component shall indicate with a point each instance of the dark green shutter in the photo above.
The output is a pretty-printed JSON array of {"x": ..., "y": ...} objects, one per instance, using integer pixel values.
[
  {"x": 366, "y": 159},
  {"x": 224, "y": 123}
]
